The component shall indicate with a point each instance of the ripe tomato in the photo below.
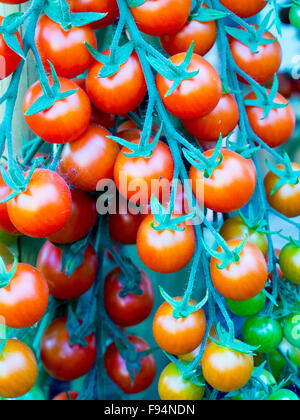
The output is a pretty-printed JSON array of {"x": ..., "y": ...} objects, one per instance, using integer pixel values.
[
  {"x": 172, "y": 386},
  {"x": 18, "y": 369},
  {"x": 161, "y": 17},
  {"x": 191, "y": 356},
  {"x": 247, "y": 307},
  {"x": 13, "y": 1},
  {"x": 283, "y": 395},
  {"x": 66, "y": 396},
  {"x": 44, "y": 208},
  {"x": 97, "y": 6},
  {"x": 60, "y": 285},
  {"x": 60, "y": 47},
  {"x": 131, "y": 309},
  {"x": 244, "y": 9},
  {"x": 263, "y": 64},
  {"x": 286, "y": 199},
  {"x": 221, "y": 121},
  {"x": 265, "y": 333},
  {"x": 195, "y": 97},
  {"x": 226, "y": 370},
  {"x": 121, "y": 92},
  {"x": 116, "y": 367},
  {"x": 292, "y": 330},
  {"x": 24, "y": 301},
  {"x": 61, "y": 360},
  {"x": 123, "y": 228},
  {"x": 277, "y": 127},
  {"x": 89, "y": 159},
  {"x": 235, "y": 228},
  {"x": 5, "y": 222},
  {"x": 244, "y": 279},
  {"x": 82, "y": 219},
  {"x": 9, "y": 59},
  {"x": 230, "y": 186},
  {"x": 289, "y": 261},
  {"x": 204, "y": 35},
  {"x": 66, "y": 120},
  {"x": 144, "y": 176},
  {"x": 178, "y": 336},
  {"x": 165, "y": 251}
]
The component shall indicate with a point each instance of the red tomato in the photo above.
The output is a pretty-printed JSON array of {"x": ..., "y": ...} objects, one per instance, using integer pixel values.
[
  {"x": 277, "y": 127},
  {"x": 9, "y": 59},
  {"x": 60, "y": 285},
  {"x": 121, "y": 92},
  {"x": 101, "y": 118},
  {"x": 66, "y": 50},
  {"x": 44, "y": 208},
  {"x": 221, "y": 121},
  {"x": 89, "y": 159},
  {"x": 18, "y": 369},
  {"x": 66, "y": 120},
  {"x": 123, "y": 228},
  {"x": 66, "y": 396},
  {"x": 61, "y": 360},
  {"x": 261, "y": 66},
  {"x": 204, "y": 35},
  {"x": 230, "y": 186},
  {"x": 5, "y": 222},
  {"x": 244, "y": 279},
  {"x": 97, "y": 6},
  {"x": 24, "y": 301},
  {"x": 166, "y": 251},
  {"x": 127, "y": 125},
  {"x": 195, "y": 97},
  {"x": 131, "y": 309},
  {"x": 116, "y": 367},
  {"x": 178, "y": 336},
  {"x": 82, "y": 219},
  {"x": 245, "y": 9}
]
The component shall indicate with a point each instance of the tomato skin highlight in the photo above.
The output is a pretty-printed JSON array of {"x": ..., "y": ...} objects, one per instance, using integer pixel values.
[
  {"x": 11, "y": 60},
  {"x": 178, "y": 336},
  {"x": 97, "y": 6},
  {"x": 116, "y": 368},
  {"x": 61, "y": 360},
  {"x": 18, "y": 369},
  {"x": 66, "y": 120},
  {"x": 263, "y": 332},
  {"x": 283, "y": 395},
  {"x": 131, "y": 309},
  {"x": 244, "y": 9},
  {"x": 289, "y": 261}
]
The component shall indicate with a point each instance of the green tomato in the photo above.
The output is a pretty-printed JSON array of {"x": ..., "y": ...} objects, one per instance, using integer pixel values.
[
  {"x": 267, "y": 378},
  {"x": 283, "y": 395},
  {"x": 265, "y": 333},
  {"x": 277, "y": 364},
  {"x": 7, "y": 239},
  {"x": 291, "y": 352},
  {"x": 292, "y": 330},
  {"x": 289, "y": 261},
  {"x": 247, "y": 307},
  {"x": 295, "y": 16}
]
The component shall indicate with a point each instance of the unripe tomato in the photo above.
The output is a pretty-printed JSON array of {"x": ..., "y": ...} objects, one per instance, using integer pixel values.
[
  {"x": 5, "y": 222},
  {"x": 226, "y": 370},
  {"x": 267, "y": 379},
  {"x": 62, "y": 286},
  {"x": 195, "y": 97},
  {"x": 61, "y": 360},
  {"x": 66, "y": 120},
  {"x": 245, "y": 9},
  {"x": 9, "y": 59},
  {"x": 289, "y": 261},
  {"x": 18, "y": 369},
  {"x": 172, "y": 386},
  {"x": 292, "y": 330},
  {"x": 265, "y": 333},
  {"x": 295, "y": 16},
  {"x": 247, "y": 307},
  {"x": 116, "y": 367},
  {"x": 97, "y": 6},
  {"x": 66, "y": 396},
  {"x": 283, "y": 395}
]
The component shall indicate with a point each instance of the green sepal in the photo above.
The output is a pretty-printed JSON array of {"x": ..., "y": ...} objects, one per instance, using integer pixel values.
[
  {"x": 77, "y": 330},
  {"x": 135, "y": 3},
  {"x": 225, "y": 340},
  {"x": 207, "y": 15}
]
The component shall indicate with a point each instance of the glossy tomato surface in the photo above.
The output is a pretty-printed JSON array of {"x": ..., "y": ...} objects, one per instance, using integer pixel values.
[
  {"x": 9, "y": 59},
  {"x": 262, "y": 332},
  {"x": 247, "y": 307},
  {"x": 110, "y": 7},
  {"x": 244, "y": 9},
  {"x": 289, "y": 261}
]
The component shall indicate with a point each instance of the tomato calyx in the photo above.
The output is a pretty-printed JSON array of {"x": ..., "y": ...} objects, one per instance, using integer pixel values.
[
  {"x": 256, "y": 222},
  {"x": 227, "y": 339},
  {"x": 286, "y": 176},
  {"x": 15, "y": 179},
  {"x": 80, "y": 329},
  {"x": 227, "y": 256},
  {"x": 204, "y": 14},
  {"x": 245, "y": 150}
]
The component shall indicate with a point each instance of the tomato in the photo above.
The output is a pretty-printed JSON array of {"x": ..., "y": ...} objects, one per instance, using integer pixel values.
[
  {"x": 44, "y": 208},
  {"x": 131, "y": 309},
  {"x": 97, "y": 6},
  {"x": 292, "y": 330},
  {"x": 267, "y": 379},
  {"x": 117, "y": 371},
  {"x": 123, "y": 228},
  {"x": 178, "y": 336},
  {"x": 277, "y": 127},
  {"x": 285, "y": 85},
  {"x": 263, "y": 64},
  {"x": 89, "y": 159},
  {"x": 61, "y": 360},
  {"x": 293, "y": 353},
  {"x": 66, "y": 396},
  {"x": 166, "y": 251},
  {"x": 230, "y": 186},
  {"x": 195, "y": 97},
  {"x": 235, "y": 228},
  {"x": 295, "y": 16},
  {"x": 226, "y": 370},
  {"x": 244, "y": 9},
  {"x": 66, "y": 50},
  {"x": 6, "y": 254},
  {"x": 289, "y": 261},
  {"x": 283, "y": 395},
  {"x": 18, "y": 369},
  {"x": 13, "y": 1},
  {"x": 60, "y": 285},
  {"x": 5, "y": 222},
  {"x": 204, "y": 35},
  {"x": 247, "y": 307},
  {"x": 161, "y": 17},
  {"x": 82, "y": 219},
  {"x": 286, "y": 199},
  {"x": 9, "y": 59},
  {"x": 220, "y": 121},
  {"x": 121, "y": 92},
  {"x": 172, "y": 386},
  {"x": 103, "y": 119},
  {"x": 66, "y": 120},
  {"x": 265, "y": 333},
  {"x": 244, "y": 279}
]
